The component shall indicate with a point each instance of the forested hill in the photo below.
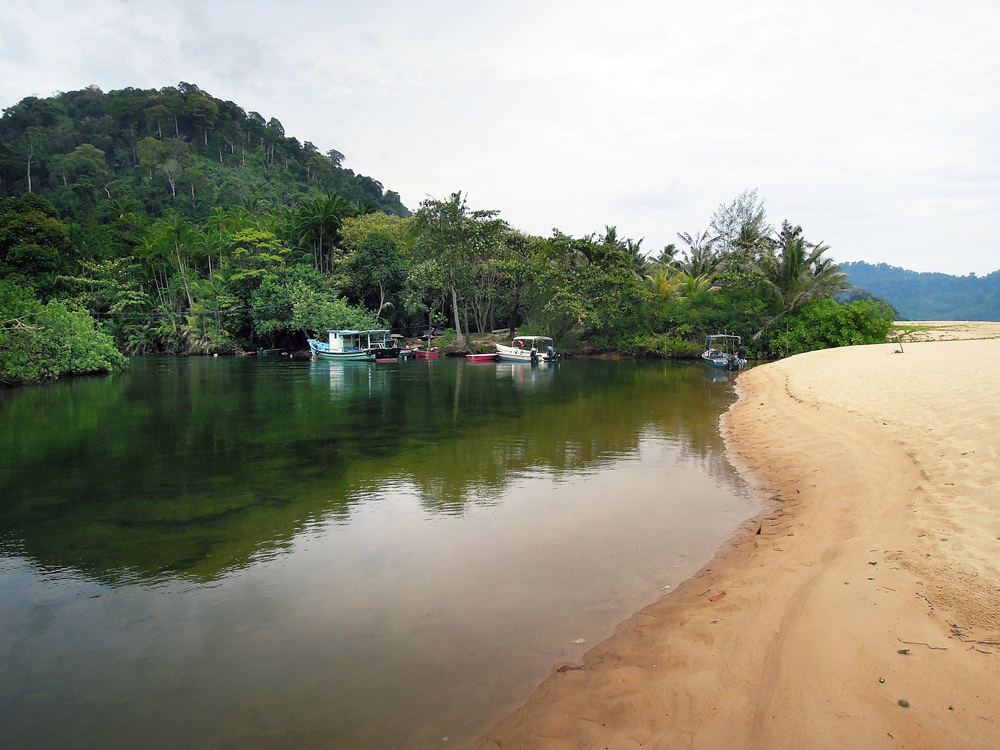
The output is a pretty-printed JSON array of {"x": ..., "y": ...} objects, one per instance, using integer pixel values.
[
  {"x": 929, "y": 296},
  {"x": 172, "y": 150}
]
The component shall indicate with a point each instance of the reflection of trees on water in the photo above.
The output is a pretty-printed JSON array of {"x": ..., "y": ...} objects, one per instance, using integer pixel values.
[{"x": 195, "y": 467}]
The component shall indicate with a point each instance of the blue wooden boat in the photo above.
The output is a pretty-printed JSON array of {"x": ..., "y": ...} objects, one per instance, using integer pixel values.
[
  {"x": 349, "y": 345},
  {"x": 720, "y": 350}
]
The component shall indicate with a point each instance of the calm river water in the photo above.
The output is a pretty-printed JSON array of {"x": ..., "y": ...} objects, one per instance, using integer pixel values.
[{"x": 241, "y": 553}]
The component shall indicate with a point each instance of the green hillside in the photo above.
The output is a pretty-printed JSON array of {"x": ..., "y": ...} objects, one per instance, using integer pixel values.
[
  {"x": 177, "y": 149},
  {"x": 929, "y": 296}
]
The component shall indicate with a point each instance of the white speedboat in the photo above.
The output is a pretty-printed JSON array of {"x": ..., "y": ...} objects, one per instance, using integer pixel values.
[{"x": 528, "y": 349}]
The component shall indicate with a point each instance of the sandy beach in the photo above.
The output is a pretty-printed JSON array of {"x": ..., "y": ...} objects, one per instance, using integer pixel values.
[{"x": 860, "y": 609}]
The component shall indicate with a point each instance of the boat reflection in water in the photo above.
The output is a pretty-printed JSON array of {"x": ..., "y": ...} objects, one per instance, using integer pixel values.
[
  {"x": 526, "y": 374},
  {"x": 350, "y": 378}
]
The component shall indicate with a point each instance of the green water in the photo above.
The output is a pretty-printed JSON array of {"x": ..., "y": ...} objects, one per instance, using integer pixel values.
[{"x": 233, "y": 553}]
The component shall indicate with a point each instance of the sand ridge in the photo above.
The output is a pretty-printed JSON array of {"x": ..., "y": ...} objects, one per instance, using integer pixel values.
[{"x": 859, "y": 609}]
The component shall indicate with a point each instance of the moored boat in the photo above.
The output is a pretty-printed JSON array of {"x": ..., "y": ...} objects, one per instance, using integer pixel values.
[
  {"x": 528, "y": 349},
  {"x": 720, "y": 350},
  {"x": 482, "y": 357},
  {"x": 355, "y": 345}
]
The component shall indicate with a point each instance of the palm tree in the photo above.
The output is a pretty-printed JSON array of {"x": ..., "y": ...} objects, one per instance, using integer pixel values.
[
  {"x": 694, "y": 288},
  {"x": 207, "y": 245},
  {"x": 218, "y": 221},
  {"x": 797, "y": 273},
  {"x": 317, "y": 226},
  {"x": 700, "y": 258},
  {"x": 255, "y": 206},
  {"x": 668, "y": 256},
  {"x": 637, "y": 259},
  {"x": 663, "y": 284},
  {"x": 631, "y": 249},
  {"x": 180, "y": 237}
]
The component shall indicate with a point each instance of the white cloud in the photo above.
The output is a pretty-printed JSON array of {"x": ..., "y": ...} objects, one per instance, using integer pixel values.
[{"x": 870, "y": 124}]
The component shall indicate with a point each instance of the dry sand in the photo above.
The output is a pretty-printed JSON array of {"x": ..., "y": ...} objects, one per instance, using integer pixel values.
[{"x": 860, "y": 609}]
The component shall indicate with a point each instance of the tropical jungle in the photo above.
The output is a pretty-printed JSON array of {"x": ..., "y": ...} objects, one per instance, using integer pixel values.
[{"x": 169, "y": 221}]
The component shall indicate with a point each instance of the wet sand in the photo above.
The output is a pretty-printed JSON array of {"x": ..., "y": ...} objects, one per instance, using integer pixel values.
[{"x": 860, "y": 609}]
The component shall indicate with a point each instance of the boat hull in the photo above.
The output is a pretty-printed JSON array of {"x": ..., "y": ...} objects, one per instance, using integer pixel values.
[
  {"x": 322, "y": 351},
  {"x": 516, "y": 354},
  {"x": 345, "y": 356},
  {"x": 723, "y": 363},
  {"x": 486, "y": 357}
]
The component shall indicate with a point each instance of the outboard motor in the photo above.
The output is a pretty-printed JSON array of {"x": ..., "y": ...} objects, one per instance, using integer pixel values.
[
  {"x": 534, "y": 354},
  {"x": 550, "y": 353}
]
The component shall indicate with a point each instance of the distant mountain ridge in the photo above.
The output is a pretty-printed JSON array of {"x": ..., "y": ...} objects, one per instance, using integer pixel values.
[
  {"x": 929, "y": 296},
  {"x": 174, "y": 150}
]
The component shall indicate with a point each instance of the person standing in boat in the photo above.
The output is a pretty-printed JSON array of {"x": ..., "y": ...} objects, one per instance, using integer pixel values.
[{"x": 741, "y": 357}]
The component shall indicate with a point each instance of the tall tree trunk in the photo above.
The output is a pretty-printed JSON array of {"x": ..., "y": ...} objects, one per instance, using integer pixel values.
[
  {"x": 182, "y": 269},
  {"x": 459, "y": 337},
  {"x": 381, "y": 299}
]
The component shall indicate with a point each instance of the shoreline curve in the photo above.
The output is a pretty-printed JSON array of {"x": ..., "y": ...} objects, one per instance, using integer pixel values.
[{"x": 859, "y": 608}]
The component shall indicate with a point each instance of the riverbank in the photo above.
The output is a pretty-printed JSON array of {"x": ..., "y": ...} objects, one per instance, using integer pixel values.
[{"x": 861, "y": 608}]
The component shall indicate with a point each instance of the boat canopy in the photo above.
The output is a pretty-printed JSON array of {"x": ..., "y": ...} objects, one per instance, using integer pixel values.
[
  {"x": 533, "y": 338},
  {"x": 343, "y": 341},
  {"x": 722, "y": 336}
]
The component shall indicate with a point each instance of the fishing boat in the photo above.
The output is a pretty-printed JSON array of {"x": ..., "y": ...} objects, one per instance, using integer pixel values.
[
  {"x": 430, "y": 352},
  {"x": 720, "y": 350},
  {"x": 482, "y": 357},
  {"x": 528, "y": 349},
  {"x": 355, "y": 345}
]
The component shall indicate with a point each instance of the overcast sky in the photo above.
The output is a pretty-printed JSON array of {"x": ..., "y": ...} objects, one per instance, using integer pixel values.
[{"x": 875, "y": 125}]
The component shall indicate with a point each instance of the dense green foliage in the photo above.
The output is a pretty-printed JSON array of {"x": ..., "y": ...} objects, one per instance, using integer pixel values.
[
  {"x": 930, "y": 296},
  {"x": 43, "y": 341},
  {"x": 183, "y": 225},
  {"x": 824, "y": 324},
  {"x": 173, "y": 150}
]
